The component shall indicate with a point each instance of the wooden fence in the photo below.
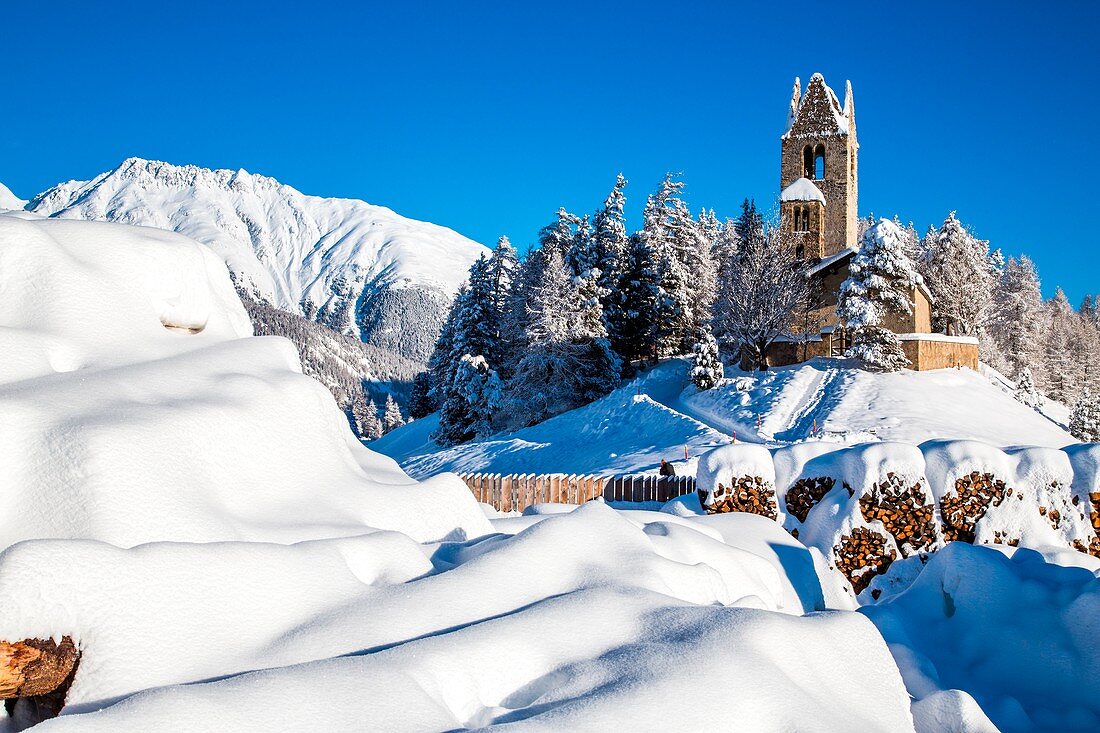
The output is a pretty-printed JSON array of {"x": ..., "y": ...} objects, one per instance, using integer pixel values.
[{"x": 516, "y": 492}]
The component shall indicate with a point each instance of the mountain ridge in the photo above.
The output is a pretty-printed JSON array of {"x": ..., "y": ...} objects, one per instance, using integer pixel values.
[{"x": 358, "y": 268}]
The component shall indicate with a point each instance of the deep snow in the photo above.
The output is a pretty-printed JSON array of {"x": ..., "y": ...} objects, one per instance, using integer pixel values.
[{"x": 197, "y": 515}]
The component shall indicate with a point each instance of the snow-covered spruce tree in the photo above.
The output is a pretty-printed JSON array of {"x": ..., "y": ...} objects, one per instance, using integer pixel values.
[
  {"x": 880, "y": 277},
  {"x": 612, "y": 247},
  {"x": 1025, "y": 388},
  {"x": 364, "y": 416},
  {"x": 473, "y": 397},
  {"x": 685, "y": 270},
  {"x": 502, "y": 271},
  {"x": 1060, "y": 370},
  {"x": 421, "y": 403},
  {"x": 961, "y": 277},
  {"x": 475, "y": 330},
  {"x": 1084, "y": 420},
  {"x": 568, "y": 361},
  {"x": 760, "y": 291},
  {"x": 1016, "y": 316},
  {"x": 706, "y": 369},
  {"x": 638, "y": 297},
  {"x": 391, "y": 415}
]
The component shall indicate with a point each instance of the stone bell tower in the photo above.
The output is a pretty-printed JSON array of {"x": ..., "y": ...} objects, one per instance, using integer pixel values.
[{"x": 820, "y": 146}]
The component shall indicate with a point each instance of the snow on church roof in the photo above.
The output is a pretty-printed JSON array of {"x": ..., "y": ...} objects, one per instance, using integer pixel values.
[{"x": 802, "y": 190}]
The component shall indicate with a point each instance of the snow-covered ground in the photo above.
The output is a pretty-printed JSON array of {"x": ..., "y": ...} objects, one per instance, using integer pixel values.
[
  {"x": 195, "y": 513},
  {"x": 358, "y": 268},
  {"x": 658, "y": 414}
]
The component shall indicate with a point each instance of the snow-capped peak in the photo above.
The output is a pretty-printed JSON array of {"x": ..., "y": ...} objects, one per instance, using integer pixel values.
[{"x": 359, "y": 268}]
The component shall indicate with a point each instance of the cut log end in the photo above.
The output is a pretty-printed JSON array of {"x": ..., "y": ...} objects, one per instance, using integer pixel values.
[{"x": 35, "y": 667}]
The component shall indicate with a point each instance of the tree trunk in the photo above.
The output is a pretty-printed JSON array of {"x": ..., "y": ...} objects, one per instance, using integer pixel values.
[{"x": 35, "y": 666}]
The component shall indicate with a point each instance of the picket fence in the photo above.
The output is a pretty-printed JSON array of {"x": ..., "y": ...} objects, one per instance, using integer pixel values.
[{"x": 516, "y": 492}]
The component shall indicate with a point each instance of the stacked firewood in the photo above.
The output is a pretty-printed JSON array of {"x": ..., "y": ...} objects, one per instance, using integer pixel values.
[
  {"x": 862, "y": 555},
  {"x": 750, "y": 494},
  {"x": 905, "y": 511},
  {"x": 805, "y": 493},
  {"x": 961, "y": 509},
  {"x": 35, "y": 675},
  {"x": 1094, "y": 499}
]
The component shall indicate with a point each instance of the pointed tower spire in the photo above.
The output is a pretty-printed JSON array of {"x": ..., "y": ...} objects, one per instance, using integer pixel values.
[
  {"x": 796, "y": 96},
  {"x": 849, "y": 105}
]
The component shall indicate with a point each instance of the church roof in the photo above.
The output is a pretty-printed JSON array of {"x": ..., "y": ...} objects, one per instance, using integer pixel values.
[{"x": 802, "y": 189}]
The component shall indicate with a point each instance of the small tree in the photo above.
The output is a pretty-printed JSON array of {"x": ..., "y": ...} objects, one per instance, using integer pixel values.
[
  {"x": 1025, "y": 388},
  {"x": 707, "y": 368},
  {"x": 1084, "y": 421},
  {"x": 364, "y": 415},
  {"x": 879, "y": 279},
  {"x": 391, "y": 415},
  {"x": 759, "y": 292}
]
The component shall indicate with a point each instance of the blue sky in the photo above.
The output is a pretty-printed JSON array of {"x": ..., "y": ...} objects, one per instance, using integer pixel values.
[{"x": 487, "y": 117}]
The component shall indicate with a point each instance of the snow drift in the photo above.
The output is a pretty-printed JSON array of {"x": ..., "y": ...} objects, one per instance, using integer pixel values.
[
  {"x": 358, "y": 268},
  {"x": 134, "y": 408}
]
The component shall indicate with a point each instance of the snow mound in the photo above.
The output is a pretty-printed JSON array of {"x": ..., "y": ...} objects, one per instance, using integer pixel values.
[
  {"x": 135, "y": 406},
  {"x": 1017, "y": 633},
  {"x": 577, "y": 622},
  {"x": 358, "y": 268}
]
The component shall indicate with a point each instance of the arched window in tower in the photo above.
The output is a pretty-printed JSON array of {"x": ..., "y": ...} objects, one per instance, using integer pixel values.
[
  {"x": 808, "y": 162},
  {"x": 819, "y": 162}
]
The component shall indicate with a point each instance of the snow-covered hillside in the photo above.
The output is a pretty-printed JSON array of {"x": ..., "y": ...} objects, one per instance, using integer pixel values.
[
  {"x": 660, "y": 413},
  {"x": 9, "y": 200},
  {"x": 357, "y": 268}
]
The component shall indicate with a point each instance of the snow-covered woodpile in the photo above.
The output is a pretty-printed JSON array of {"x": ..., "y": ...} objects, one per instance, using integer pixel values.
[
  {"x": 805, "y": 492},
  {"x": 750, "y": 494},
  {"x": 866, "y": 506},
  {"x": 962, "y": 508},
  {"x": 906, "y": 511}
]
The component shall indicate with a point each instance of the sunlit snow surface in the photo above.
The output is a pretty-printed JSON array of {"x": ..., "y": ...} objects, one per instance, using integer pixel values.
[{"x": 228, "y": 557}]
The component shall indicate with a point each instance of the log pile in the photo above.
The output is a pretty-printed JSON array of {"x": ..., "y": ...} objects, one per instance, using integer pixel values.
[
  {"x": 905, "y": 511},
  {"x": 750, "y": 494},
  {"x": 805, "y": 493},
  {"x": 35, "y": 676},
  {"x": 1094, "y": 499},
  {"x": 961, "y": 509},
  {"x": 862, "y": 555}
]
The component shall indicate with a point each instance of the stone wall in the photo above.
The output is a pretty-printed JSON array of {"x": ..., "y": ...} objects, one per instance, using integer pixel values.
[{"x": 925, "y": 353}]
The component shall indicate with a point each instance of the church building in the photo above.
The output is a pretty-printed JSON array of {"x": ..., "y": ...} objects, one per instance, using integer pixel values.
[{"x": 819, "y": 180}]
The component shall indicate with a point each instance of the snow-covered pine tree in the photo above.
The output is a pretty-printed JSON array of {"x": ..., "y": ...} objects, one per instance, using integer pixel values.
[
  {"x": 879, "y": 279},
  {"x": 364, "y": 417},
  {"x": 581, "y": 256},
  {"x": 706, "y": 369},
  {"x": 761, "y": 288},
  {"x": 638, "y": 297},
  {"x": 421, "y": 403},
  {"x": 391, "y": 415},
  {"x": 1016, "y": 316},
  {"x": 960, "y": 276},
  {"x": 1025, "y": 388},
  {"x": 612, "y": 247},
  {"x": 1060, "y": 372},
  {"x": 568, "y": 361},
  {"x": 666, "y": 232},
  {"x": 558, "y": 235},
  {"x": 502, "y": 271},
  {"x": 473, "y": 397},
  {"x": 1084, "y": 420}
]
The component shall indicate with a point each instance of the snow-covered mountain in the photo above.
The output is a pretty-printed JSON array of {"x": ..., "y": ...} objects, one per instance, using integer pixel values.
[{"x": 360, "y": 269}]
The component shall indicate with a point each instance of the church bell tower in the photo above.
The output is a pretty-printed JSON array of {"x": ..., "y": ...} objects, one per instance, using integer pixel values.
[{"x": 819, "y": 172}]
